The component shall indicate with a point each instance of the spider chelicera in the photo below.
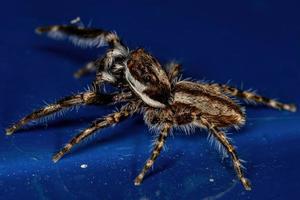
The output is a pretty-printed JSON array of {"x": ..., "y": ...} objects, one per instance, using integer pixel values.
[{"x": 144, "y": 86}]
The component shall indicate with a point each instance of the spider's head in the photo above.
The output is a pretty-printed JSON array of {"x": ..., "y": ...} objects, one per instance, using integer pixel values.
[{"x": 147, "y": 78}]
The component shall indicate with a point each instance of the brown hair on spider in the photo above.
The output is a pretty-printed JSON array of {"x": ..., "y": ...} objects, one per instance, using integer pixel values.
[{"x": 144, "y": 86}]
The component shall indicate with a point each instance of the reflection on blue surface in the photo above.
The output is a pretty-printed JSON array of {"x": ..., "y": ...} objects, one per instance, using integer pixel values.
[{"x": 256, "y": 43}]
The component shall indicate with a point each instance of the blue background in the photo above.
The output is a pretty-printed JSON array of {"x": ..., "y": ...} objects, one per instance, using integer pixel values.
[{"x": 255, "y": 44}]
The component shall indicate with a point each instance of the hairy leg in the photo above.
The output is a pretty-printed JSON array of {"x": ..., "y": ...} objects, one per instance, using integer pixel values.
[
  {"x": 85, "y": 37},
  {"x": 107, "y": 121},
  {"x": 105, "y": 66},
  {"x": 221, "y": 137},
  {"x": 90, "y": 67},
  {"x": 255, "y": 98},
  {"x": 155, "y": 153},
  {"x": 85, "y": 98}
]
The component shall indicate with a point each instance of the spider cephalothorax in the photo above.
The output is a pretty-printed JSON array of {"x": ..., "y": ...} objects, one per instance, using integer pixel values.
[
  {"x": 156, "y": 92},
  {"x": 148, "y": 80}
]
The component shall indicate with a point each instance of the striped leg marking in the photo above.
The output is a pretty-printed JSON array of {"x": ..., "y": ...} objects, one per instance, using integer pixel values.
[
  {"x": 85, "y": 98},
  {"x": 160, "y": 141},
  {"x": 253, "y": 97},
  {"x": 107, "y": 121},
  {"x": 85, "y": 70},
  {"x": 85, "y": 37},
  {"x": 221, "y": 137}
]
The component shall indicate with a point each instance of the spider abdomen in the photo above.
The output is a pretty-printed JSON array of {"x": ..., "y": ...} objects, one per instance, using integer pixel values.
[{"x": 206, "y": 101}]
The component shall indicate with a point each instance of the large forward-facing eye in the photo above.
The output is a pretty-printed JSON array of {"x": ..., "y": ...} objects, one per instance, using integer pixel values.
[{"x": 148, "y": 79}]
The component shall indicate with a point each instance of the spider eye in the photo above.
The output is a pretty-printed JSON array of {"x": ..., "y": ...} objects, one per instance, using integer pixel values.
[{"x": 147, "y": 78}]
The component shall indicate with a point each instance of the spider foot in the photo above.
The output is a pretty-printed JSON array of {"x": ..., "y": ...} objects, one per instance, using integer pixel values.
[
  {"x": 57, "y": 157},
  {"x": 246, "y": 183},
  {"x": 10, "y": 130},
  {"x": 138, "y": 180},
  {"x": 290, "y": 107}
]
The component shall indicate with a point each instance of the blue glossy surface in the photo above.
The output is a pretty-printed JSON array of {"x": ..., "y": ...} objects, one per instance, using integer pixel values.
[{"x": 254, "y": 43}]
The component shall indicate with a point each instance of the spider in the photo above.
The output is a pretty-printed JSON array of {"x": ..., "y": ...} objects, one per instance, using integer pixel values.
[{"x": 144, "y": 86}]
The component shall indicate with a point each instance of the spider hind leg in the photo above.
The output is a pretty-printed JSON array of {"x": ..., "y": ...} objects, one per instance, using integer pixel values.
[
  {"x": 252, "y": 97},
  {"x": 224, "y": 141}
]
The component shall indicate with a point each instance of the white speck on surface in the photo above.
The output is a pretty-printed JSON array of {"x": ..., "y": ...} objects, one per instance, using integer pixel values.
[
  {"x": 211, "y": 180},
  {"x": 83, "y": 166}
]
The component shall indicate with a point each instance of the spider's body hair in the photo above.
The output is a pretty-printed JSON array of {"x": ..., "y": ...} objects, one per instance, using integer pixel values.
[
  {"x": 217, "y": 145},
  {"x": 196, "y": 99},
  {"x": 59, "y": 114},
  {"x": 88, "y": 37},
  {"x": 147, "y": 79},
  {"x": 250, "y": 96},
  {"x": 166, "y": 101},
  {"x": 209, "y": 103},
  {"x": 107, "y": 69},
  {"x": 138, "y": 88},
  {"x": 187, "y": 128}
]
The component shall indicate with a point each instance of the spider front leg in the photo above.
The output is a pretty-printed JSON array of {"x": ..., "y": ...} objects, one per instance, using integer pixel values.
[
  {"x": 107, "y": 121},
  {"x": 85, "y": 98},
  {"x": 160, "y": 141},
  {"x": 221, "y": 137},
  {"x": 256, "y": 98},
  {"x": 85, "y": 37}
]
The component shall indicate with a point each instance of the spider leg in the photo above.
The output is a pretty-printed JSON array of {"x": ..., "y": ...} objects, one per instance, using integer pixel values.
[
  {"x": 107, "y": 121},
  {"x": 104, "y": 67},
  {"x": 160, "y": 141},
  {"x": 221, "y": 137},
  {"x": 86, "y": 98},
  {"x": 91, "y": 37},
  {"x": 90, "y": 67},
  {"x": 85, "y": 37},
  {"x": 256, "y": 98}
]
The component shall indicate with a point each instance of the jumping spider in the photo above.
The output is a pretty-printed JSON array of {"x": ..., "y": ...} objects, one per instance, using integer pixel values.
[{"x": 144, "y": 86}]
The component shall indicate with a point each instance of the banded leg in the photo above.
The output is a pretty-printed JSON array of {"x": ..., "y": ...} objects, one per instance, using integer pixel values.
[
  {"x": 104, "y": 64},
  {"x": 90, "y": 67},
  {"x": 253, "y": 97},
  {"x": 78, "y": 99},
  {"x": 85, "y": 37},
  {"x": 160, "y": 141},
  {"x": 89, "y": 37},
  {"x": 221, "y": 137},
  {"x": 107, "y": 121}
]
